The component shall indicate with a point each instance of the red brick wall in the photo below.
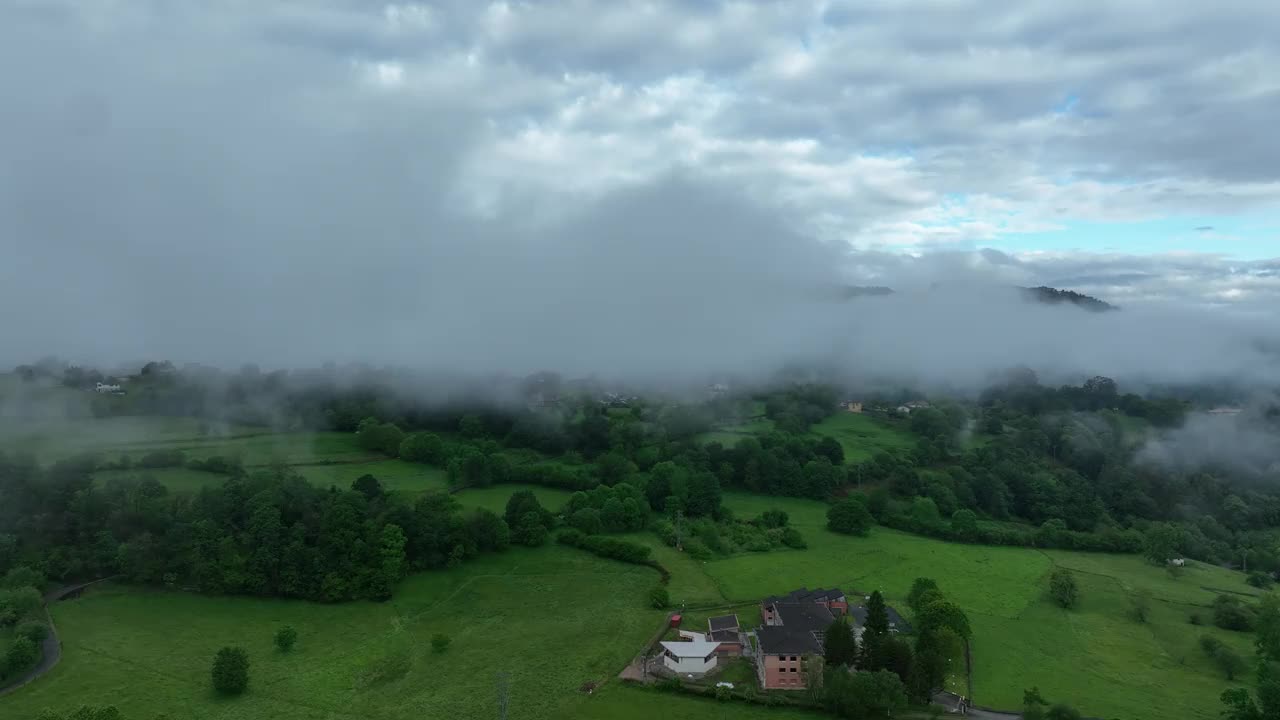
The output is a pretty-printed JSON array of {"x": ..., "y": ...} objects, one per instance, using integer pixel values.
[{"x": 783, "y": 673}]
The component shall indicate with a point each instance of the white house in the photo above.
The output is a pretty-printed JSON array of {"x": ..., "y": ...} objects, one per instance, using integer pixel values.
[
  {"x": 693, "y": 657},
  {"x": 105, "y": 388}
]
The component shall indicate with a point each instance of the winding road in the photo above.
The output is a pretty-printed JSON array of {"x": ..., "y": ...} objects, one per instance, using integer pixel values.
[{"x": 50, "y": 648}]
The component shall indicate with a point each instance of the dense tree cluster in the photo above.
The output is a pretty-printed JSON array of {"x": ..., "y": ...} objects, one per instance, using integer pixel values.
[{"x": 269, "y": 533}]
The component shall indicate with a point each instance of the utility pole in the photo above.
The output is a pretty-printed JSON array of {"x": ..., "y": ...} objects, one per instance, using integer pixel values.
[{"x": 680, "y": 530}]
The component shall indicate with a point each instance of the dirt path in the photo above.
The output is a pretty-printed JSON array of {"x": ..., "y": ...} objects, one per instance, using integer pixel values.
[{"x": 50, "y": 648}]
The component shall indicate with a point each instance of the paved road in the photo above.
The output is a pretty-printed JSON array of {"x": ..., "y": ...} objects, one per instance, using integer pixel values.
[
  {"x": 951, "y": 702},
  {"x": 50, "y": 648}
]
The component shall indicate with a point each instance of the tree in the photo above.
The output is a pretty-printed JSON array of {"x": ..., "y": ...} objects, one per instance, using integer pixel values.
[
  {"x": 850, "y": 516},
  {"x": 422, "y": 447},
  {"x": 33, "y": 630},
  {"x": 587, "y": 520},
  {"x": 285, "y": 638},
  {"x": 659, "y": 598},
  {"x": 1033, "y": 704},
  {"x": 875, "y": 630},
  {"x": 1161, "y": 542},
  {"x": 839, "y": 646},
  {"x": 1229, "y": 613},
  {"x": 774, "y": 518},
  {"x": 863, "y": 694},
  {"x": 944, "y": 615},
  {"x": 1239, "y": 705},
  {"x": 368, "y": 486},
  {"x": 22, "y": 654},
  {"x": 920, "y": 587},
  {"x": 964, "y": 523},
  {"x": 1062, "y": 712},
  {"x": 522, "y": 502},
  {"x": 1228, "y": 661},
  {"x": 1062, "y": 588},
  {"x": 439, "y": 643},
  {"x": 529, "y": 530},
  {"x": 231, "y": 671}
]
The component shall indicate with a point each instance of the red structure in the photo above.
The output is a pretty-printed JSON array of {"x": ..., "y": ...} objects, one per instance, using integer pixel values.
[{"x": 675, "y": 621}]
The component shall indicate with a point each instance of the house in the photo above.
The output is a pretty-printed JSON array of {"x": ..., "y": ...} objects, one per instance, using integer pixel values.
[
  {"x": 691, "y": 657},
  {"x": 794, "y": 630},
  {"x": 725, "y": 631},
  {"x": 794, "y": 626},
  {"x": 852, "y": 406},
  {"x": 1225, "y": 411},
  {"x": 897, "y": 623},
  {"x": 104, "y": 388},
  {"x": 906, "y": 408},
  {"x": 833, "y": 599}
]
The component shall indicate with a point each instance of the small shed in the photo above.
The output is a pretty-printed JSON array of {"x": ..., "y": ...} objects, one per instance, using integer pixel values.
[{"x": 675, "y": 621}]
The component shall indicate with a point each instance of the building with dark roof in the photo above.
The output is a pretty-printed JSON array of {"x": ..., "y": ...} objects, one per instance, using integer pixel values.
[
  {"x": 833, "y": 600},
  {"x": 793, "y": 630},
  {"x": 897, "y": 623},
  {"x": 722, "y": 622}
]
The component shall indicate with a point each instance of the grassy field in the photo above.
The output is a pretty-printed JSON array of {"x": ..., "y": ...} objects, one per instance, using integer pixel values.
[
  {"x": 1095, "y": 657},
  {"x": 178, "y": 480},
  {"x": 554, "y": 618},
  {"x": 395, "y": 475},
  {"x": 495, "y": 498},
  {"x": 862, "y": 436}
]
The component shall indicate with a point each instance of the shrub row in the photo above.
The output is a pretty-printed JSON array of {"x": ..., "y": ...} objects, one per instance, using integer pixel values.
[{"x": 1110, "y": 540}]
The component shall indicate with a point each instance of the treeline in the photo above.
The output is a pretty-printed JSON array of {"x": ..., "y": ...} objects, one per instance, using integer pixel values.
[
  {"x": 21, "y": 613},
  {"x": 268, "y": 533}
]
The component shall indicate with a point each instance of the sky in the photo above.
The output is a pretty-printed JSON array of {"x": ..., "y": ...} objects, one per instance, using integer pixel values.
[{"x": 289, "y": 181}]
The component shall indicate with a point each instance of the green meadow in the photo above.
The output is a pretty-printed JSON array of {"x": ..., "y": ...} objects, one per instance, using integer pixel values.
[
  {"x": 1096, "y": 656},
  {"x": 557, "y": 618},
  {"x": 862, "y": 436}
]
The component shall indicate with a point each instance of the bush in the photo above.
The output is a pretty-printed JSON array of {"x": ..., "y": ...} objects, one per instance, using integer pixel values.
[
  {"x": 1062, "y": 588},
  {"x": 1259, "y": 579},
  {"x": 793, "y": 539},
  {"x": 231, "y": 671},
  {"x": 439, "y": 642},
  {"x": 606, "y": 547},
  {"x": 22, "y": 654},
  {"x": 850, "y": 516},
  {"x": 32, "y": 630},
  {"x": 285, "y": 638},
  {"x": 1227, "y": 660},
  {"x": 1229, "y": 613},
  {"x": 659, "y": 598}
]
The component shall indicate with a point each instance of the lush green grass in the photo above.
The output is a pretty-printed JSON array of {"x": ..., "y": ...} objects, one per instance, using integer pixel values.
[
  {"x": 554, "y": 618},
  {"x": 495, "y": 498},
  {"x": 690, "y": 585},
  {"x": 1096, "y": 656},
  {"x": 395, "y": 475},
  {"x": 862, "y": 436},
  {"x": 180, "y": 480},
  {"x": 51, "y": 440}
]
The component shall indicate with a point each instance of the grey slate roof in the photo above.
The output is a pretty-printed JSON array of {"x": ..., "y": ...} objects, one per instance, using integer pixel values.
[
  {"x": 726, "y": 636},
  {"x": 806, "y": 595},
  {"x": 802, "y": 623},
  {"x": 723, "y": 622},
  {"x": 781, "y": 640},
  {"x": 897, "y": 623}
]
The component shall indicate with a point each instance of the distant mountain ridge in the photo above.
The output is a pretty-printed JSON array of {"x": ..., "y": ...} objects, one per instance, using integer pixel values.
[{"x": 1041, "y": 293}]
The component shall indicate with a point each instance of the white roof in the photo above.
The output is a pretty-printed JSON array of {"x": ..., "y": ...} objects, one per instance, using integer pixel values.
[{"x": 693, "y": 648}]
